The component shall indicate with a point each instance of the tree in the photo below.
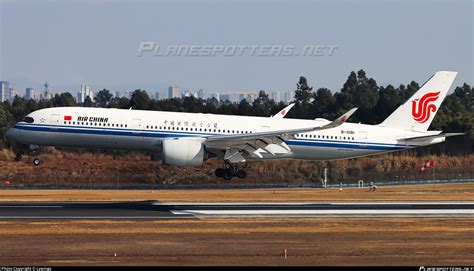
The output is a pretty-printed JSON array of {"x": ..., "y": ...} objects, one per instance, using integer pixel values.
[
  {"x": 389, "y": 101},
  {"x": 359, "y": 91},
  {"x": 63, "y": 99},
  {"x": 303, "y": 91},
  {"x": 140, "y": 100},
  {"x": 323, "y": 104},
  {"x": 88, "y": 102},
  {"x": 18, "y": 108},
  {"x": 302, "y": 98},
  {"x": 262, "y": 105},
  {"x": 103, "y": 98}
]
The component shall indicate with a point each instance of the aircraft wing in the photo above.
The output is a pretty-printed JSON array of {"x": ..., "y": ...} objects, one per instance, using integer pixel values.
[
  {"x": 238, "y": 145},
  {"x": 283, "y": 112}
]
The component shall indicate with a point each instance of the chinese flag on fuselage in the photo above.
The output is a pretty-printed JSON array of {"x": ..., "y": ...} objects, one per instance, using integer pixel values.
[{"x": 67, "y": 118}]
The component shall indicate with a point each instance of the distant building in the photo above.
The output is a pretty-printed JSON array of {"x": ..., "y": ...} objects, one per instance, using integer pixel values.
[
  {"x": 186, "y": 93},
  {"x": 276, "y": 96},
  {"x": 289, "y": 96},
  {"x": 157, "y": 96},
  {"x": 216, "y": 96},
  {"x": 238, "y": 97},
  {"x": 30, "y": 93},
  {"x": 47, "y": 95},
  {"x": 4, "y": 90},
  {"x": 118, "y": 94},
  {"x": 11, "y": 94},
  {"x": 173, "y": 92},
  {"x": 200, "y": 94},
  {"x": 83, "y": 93},
  {"x": 127, "y": 94},
  {"x": 248, "y": 96},
  {"x": 224, "y": 97}
]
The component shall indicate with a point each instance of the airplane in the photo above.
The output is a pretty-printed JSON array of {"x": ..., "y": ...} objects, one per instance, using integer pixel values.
[{"x": 189, "y": 139}]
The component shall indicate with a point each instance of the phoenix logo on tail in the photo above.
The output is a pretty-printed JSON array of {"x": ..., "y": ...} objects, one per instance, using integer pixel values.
[{"x": 422, "y": 107}]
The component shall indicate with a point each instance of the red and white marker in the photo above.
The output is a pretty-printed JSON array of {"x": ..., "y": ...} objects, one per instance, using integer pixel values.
[{"x": 426, "y": 165}]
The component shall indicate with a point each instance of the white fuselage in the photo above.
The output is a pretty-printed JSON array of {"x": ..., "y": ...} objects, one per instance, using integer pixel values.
[{"x": 104, "y": 128}]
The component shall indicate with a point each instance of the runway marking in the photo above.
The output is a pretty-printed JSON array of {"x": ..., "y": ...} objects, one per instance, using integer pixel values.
[
  {"x": 317, "y": 212},
  {"x": 312, "y": 203}
]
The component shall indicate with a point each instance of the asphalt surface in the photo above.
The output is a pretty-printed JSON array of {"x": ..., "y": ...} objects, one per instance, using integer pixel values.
[{"x": 158, "y": 210}]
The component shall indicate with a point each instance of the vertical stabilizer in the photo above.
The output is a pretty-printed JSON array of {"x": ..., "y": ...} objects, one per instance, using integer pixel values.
[{"x": 418, "y": 112}]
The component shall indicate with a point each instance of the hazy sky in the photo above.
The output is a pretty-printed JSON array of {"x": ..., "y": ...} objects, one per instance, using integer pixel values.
[{"x": 68, "y": 43}]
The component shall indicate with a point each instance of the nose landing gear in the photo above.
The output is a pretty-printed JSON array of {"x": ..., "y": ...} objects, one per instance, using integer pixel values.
[{"x": 229, "y": 171}]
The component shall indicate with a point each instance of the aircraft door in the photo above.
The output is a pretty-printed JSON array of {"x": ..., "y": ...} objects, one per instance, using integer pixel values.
[
  {"x": 137, "y": 126},
  {"x": 363, "y": 138},
  {"x": 54, "y": 121}
]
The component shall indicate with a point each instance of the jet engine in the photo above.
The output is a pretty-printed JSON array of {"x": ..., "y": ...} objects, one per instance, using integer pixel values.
[{"x": 184, "y": 152}]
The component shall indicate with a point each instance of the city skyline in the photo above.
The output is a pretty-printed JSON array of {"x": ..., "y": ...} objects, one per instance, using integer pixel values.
[{"x": 7, "y": 93}]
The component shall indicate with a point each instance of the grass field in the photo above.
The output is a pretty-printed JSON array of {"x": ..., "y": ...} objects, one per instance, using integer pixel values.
[
  {"x": 450, "y": 192},
  {"x": 429, "y": 242}
]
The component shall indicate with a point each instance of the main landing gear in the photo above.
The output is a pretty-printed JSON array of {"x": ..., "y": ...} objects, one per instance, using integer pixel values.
[
  {"x": 33, "y": 151},
  {"x": 229, "y": 171}
]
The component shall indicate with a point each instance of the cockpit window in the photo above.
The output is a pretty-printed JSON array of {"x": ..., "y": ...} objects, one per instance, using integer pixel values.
[{"x": 28, "y": 120}]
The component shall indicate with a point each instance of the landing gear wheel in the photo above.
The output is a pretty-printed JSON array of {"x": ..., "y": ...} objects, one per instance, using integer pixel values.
[
  {"x": 18, "y": 157},
  {"x": 219, "y": 172},
  {"x": 36, "y": 162},
  {"x": 241, "y": 173},
  {"x": 228, "y": 174}
]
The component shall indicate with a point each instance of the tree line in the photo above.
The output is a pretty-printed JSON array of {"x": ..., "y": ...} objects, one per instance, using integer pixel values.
[{"x": 375, "y": 103}]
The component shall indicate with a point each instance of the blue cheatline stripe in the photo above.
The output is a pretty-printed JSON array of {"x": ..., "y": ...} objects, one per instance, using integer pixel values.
[
  {"x": 346, "y": 146},
  {"x": 188, "y": 133},
  {"x": 165, "y": 134}
]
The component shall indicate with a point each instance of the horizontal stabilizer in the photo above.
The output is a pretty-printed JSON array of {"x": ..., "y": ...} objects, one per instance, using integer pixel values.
[{"x": 431, "y": 136}]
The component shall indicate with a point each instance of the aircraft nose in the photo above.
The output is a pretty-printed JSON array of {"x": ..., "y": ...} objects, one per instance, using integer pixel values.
[{"x": 13, "y": 134}]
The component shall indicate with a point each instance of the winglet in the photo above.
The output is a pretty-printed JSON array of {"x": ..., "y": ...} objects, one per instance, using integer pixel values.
[
  {"x": 283, "y": 112},
  {"x": 341, "y": 119}
]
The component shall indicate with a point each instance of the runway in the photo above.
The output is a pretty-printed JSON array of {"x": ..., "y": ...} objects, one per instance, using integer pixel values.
[{"x": 184, "y": 210}]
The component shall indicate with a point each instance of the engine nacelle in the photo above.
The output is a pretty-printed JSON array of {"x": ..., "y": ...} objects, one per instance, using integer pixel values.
[{"x": 184, "y": 152}]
